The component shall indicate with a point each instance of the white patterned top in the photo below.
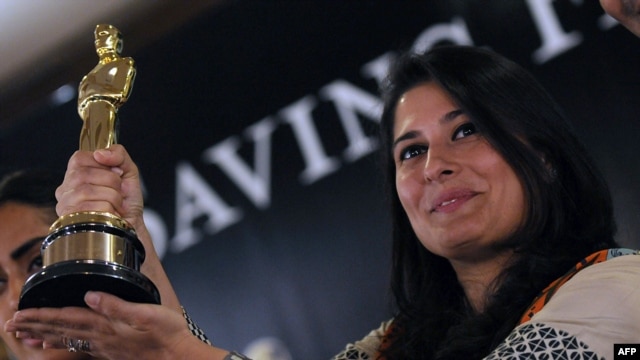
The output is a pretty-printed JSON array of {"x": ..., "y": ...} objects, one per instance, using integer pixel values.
[{"x": 597, "y": 308}]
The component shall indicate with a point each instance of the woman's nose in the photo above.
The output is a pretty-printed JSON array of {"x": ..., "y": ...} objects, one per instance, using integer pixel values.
[{"x": 439, "y": 164}]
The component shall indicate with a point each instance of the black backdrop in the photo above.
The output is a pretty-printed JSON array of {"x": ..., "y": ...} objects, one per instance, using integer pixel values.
[{"x": 252, "y": 126}]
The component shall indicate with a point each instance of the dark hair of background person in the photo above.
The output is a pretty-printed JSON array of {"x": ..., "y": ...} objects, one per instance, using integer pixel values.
[
  {"x": 33, "y": 187},
  {"x": 569, "y": 212}
]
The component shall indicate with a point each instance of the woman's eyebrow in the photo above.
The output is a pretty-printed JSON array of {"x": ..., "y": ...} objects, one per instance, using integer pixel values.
[
  {"x": 451, "y": 115},
  {"x": 22, "y": 249},
  {"x": 405, "y": 136}
]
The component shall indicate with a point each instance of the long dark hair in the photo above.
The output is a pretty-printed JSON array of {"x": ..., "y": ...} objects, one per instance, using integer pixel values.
[{"x": 569, "y": 207}]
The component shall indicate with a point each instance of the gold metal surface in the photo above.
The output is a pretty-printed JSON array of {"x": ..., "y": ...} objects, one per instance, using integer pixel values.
[
  {"x": 89, "y": 246},
  {"x": 90, "y": 217},
  {"x": 103, "y": 90}
]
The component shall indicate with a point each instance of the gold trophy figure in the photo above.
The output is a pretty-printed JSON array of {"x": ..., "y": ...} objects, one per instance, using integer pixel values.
[
  {"x": 104, "y": 90},
  {"x": 94, "y": 250}
]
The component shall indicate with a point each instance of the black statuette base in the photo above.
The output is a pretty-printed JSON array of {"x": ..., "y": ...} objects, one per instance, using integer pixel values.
[{"x": 65, "y": 284}]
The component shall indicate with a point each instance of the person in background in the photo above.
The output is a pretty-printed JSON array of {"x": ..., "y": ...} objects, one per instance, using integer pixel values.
[
  {"x": 627, "y": 12},
  {"x": 27, "y": 209},
  {"x": 503, "y": 230}
]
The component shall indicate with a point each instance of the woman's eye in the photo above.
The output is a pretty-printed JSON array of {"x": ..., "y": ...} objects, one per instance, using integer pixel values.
[
  {"x": 465, "y": 130},
  {"x": 412, "y": 151},
  {"x": 35, "y": 265}
]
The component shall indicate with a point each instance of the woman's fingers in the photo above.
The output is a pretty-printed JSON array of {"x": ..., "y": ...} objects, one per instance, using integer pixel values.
[{"x": 104, "y": 180}]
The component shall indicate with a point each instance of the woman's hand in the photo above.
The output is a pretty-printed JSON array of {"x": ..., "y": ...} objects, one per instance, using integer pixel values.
[
  {"x": 103, "y": 180},
  {"x": 114, "y": 329}
]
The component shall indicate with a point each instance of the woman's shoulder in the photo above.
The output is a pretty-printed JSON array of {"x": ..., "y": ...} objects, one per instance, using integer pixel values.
[
  {"x": 603, "y": 292},
  {"x": 619, "y": 272},
  {"x": 598, "y": 306},
  {"x": 587, "y": 311}
]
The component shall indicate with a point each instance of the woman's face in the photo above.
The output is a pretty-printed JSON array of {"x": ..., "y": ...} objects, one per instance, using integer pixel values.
[
  {"x": 22, "y": 229},
  {"x": 459, "y": 193}
]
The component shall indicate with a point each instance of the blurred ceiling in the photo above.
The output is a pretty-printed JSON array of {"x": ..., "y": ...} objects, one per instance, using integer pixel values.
[{"x": 43, "y": 43}]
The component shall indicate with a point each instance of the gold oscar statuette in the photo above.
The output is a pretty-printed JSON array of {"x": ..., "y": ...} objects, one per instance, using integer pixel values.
[{"x": 94, "y": 250}]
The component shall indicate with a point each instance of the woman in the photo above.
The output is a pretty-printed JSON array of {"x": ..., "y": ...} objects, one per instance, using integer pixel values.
[
  {"x": 492, "y": 198},
  {"x": 453, "y": 119}
]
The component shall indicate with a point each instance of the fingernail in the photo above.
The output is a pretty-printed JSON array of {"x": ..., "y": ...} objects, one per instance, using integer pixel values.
[
  {"x": 91, "y": 298},
  {"x": 117, "y": 170}
]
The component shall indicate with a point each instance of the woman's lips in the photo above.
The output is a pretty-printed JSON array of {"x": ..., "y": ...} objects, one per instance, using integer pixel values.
[{"x": 451, "y": 201}]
